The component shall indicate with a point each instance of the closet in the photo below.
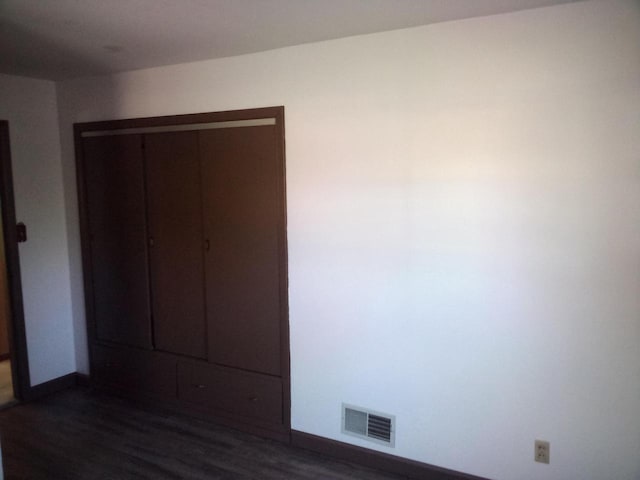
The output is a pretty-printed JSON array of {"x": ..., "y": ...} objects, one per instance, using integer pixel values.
[{"x": 184, "y": 254}]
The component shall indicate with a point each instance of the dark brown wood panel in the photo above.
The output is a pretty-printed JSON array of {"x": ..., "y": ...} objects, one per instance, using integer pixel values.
[
  {"x": 16, "y": 327},
  {"x": 175, "y": 225},
  {"x": 406, "y": 468},
  {"x": 242, "y": 393},
  {"x": 135, "y": 370},
  {"x": 242, "y": 171},
  {"x": 245, "y": 336},
  {"x": 114, "y": 176}
]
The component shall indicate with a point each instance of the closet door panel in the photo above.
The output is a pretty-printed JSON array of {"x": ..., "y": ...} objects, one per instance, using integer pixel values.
[
  {"x": 114, "y": 176},
  {"x": 135, "y": 370},
  {"x": 230, "y": 390},
  {"x": 242, "y": 173},
  {"x": 175, "y": 224}
]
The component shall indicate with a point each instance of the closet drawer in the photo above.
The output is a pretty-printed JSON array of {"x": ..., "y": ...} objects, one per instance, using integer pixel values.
[
  {"x": 129, "y": 369},
  {"x": 241, "y": 393}
]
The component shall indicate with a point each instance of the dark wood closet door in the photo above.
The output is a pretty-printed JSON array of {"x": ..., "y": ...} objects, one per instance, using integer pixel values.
[
  {"x": 114, "y": 176},
  {"x": 175, "y": 225},
  {"x": 242, "y": 175}
]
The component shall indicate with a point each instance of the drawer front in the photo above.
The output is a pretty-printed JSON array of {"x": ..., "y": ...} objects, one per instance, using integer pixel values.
[
  {"x": 141, "y": 371},
  {"x": 240, "y": 393}
]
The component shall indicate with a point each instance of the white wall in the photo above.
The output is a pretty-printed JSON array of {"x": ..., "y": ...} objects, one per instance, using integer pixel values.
[
  {"x": 464, "y": 238},
  {"x": 30, "y": 106}
]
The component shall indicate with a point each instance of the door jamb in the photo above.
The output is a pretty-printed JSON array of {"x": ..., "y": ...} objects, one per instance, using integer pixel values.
[{"x": 15, "y": 325}]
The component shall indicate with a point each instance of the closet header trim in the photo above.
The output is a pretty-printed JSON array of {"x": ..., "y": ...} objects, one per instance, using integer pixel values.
[{"x": 257, "y": 122}]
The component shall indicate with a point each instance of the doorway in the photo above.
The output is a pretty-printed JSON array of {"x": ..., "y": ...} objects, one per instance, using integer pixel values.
[
  {"x": 6, "y": 381},
  {"x": 14, "y": 371}
]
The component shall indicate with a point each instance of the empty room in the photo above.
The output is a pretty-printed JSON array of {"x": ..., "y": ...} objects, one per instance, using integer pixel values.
[{"x": 320, "y": 239}]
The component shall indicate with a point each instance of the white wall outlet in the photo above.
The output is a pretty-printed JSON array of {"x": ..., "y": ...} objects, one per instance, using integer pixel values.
[{"x": 542, "y": 451}]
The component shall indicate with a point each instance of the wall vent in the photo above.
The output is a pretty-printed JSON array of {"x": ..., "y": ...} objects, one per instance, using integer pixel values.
[{"x": 363, "y": 423}]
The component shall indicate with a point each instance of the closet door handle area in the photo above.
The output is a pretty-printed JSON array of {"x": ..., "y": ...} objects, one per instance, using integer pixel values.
[{"x": 207, "y": 245}]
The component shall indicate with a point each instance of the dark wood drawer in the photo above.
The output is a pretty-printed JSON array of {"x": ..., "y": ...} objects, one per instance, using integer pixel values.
[
  {"x": 236, "y": 392},
  {"x": 135, "y": 370}
]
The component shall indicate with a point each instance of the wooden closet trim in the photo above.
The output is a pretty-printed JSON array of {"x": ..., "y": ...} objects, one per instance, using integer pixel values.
[
  {"x": 82, "y": 130},
  {"x": 191, "y": 118},
  {"x": 188, "y": 127},
  {"x": 16, "y": 327}
]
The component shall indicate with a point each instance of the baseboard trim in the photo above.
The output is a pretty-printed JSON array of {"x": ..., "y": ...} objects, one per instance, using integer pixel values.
[
  {"x": 5, "y": 356},
  {"x": 374, "y": 459},
  {"x": 52, "y": 386}
]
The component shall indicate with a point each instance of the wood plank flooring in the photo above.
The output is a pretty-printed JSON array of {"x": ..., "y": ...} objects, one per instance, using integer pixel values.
[{"x": 83, "y": 434}]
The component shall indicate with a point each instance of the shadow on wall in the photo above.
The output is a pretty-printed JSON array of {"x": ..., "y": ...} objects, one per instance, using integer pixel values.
[{"x": 18, "y": 44}]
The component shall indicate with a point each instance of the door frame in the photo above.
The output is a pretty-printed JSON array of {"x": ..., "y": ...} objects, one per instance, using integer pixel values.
[
  {"x": 15, "y": 324},
  {"x": 169, "y": 123}
]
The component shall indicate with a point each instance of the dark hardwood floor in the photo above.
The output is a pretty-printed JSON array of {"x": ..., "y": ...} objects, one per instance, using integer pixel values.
[{"x": 84, "y": 434}]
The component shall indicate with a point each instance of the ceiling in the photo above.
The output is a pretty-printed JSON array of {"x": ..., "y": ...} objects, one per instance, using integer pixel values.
[{"x": 60, "y": 39}]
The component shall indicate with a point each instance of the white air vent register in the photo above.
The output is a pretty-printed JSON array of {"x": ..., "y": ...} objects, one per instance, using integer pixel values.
[{"x": 369, "y": 425}]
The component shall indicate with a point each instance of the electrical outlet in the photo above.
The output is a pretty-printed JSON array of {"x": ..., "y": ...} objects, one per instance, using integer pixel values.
[{"x": 542, "y": 451}]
